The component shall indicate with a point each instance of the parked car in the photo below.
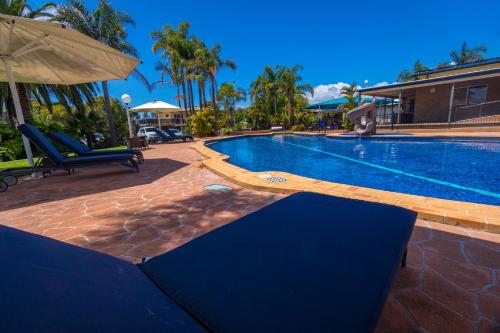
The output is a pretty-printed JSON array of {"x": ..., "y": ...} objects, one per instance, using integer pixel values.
[{"x": 149, "y": 133}]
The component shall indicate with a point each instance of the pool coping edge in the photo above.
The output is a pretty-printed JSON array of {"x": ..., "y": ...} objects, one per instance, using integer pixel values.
[{"x": 464, "y": 214}]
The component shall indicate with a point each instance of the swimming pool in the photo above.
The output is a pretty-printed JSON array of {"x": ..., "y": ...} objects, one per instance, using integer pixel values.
[{"x": 462, "y": 169}]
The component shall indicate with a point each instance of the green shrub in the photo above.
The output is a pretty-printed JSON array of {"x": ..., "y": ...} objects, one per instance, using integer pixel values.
[
  {"x": 202, "y": 123},
  {"x": 347, "y": 125},
  {"x": 228, "y": 130},
  {"x": 11, "y": 144},
  {"x": 299, "y": 127}
]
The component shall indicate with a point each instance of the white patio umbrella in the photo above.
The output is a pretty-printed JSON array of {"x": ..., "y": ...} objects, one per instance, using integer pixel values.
[
  {"x": 49, "y": 53},
  {"x": 156, "y": 107}
]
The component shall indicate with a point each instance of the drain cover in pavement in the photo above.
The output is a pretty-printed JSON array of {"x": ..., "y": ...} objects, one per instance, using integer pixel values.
[{"x": 218, "y": 188}]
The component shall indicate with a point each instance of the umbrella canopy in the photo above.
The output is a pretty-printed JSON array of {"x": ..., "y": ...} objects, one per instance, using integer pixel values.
[
  {"x": 48, "y": 53},
  {"x": 156, "y": 107},
  {"x": 332, "y": 105},
  {"x": 44, "y": 52}
]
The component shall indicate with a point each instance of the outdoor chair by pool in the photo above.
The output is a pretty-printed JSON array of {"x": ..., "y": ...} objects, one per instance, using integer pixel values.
[
  {"x": 82, "y": 150},
  {"x": 59, "y": 162},
  {"x": 306, "y": 263},
  {"x": 164, "y": 137}
]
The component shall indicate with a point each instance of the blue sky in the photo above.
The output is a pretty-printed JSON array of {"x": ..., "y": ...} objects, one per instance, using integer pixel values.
[{"x": 348, "y": 41}]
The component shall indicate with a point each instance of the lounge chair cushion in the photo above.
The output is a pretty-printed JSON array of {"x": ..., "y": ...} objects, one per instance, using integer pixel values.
[
  {"x": 96, "y": 159},
  {"x": 82, "y": 150},
  {"x": 42, "y": 142},
  {"x": 307, "y": 263},
  {"x": 74, "y": 145},
  {"x": 50, "y": 286}
]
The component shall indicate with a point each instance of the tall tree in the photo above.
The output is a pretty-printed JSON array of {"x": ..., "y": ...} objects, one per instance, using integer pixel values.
[
  {"x": 418, "y": 66},
  {"x": 350, "y": 92},
  {"x": 172, "y": 44},
  {"x": 290, "y": 87},
  {"x": 107, "y": 25},
  {"x": 466, "y": 54},
  {"x": 213, "y": 62},
  {"x": 229, "y": 95}
]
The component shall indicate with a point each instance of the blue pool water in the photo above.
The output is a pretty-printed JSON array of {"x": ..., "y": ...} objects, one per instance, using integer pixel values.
[{"x": 462, "y": 169}]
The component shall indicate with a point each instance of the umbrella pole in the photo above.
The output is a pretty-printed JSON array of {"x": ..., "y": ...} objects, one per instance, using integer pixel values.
[
  {"x": 159, "y": 122},
  {"x": 17, "y": 106}
]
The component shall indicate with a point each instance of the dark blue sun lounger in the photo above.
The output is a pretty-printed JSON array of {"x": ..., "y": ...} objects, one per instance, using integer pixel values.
[
  {"x": 164, "y": 137},
  {"x": 307, "y": 263},
  {"x": 82, "y": 150},
  {"x": 58, "y": 161},
  {"x": 179, "y": 137}
]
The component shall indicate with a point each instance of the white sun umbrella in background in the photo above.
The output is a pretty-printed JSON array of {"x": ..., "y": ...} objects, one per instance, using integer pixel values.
[
  {"x": 156, "y": 107},
  {"x": 41, "y": 52}
]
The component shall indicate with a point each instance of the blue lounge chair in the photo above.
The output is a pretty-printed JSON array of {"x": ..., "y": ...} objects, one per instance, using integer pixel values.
[
  {"x": 82, "y": 150},
  {"x": 307, "y": 263},
  {"x": 59, "y": 162},
  {"x": 163, "y": 136},
  {"x": 182, "y": 137}
]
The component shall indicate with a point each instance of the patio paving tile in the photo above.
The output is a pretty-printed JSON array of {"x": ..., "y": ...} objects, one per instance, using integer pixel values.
[{"x": 451, "y": 282}]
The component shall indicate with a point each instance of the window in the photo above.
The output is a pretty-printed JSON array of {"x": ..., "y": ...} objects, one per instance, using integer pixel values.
[
  {"x": 477, "y": 95},
  {"x": 460, "y": 96}
]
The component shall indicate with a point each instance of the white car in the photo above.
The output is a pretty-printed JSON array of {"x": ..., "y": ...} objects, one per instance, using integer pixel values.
[{"x": 149, "y": 133}]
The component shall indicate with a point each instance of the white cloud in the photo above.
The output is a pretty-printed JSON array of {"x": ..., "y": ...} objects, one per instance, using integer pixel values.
[{"x": 324, "y": 92}]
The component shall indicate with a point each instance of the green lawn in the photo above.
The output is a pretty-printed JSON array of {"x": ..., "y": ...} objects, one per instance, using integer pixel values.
[{"x": 24, "y": 162}]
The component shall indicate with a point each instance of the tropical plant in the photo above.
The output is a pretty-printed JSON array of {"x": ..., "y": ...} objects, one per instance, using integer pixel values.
[
  {"x": 188, "y": 60},
  {"x": 107, "y": 25},
  {"x": 405, "y": 75},
  {"x": 228, "y": 96},
  {"x": 202, "y": 123},
  {"x": 466, "y": 54},
  {"x": 350, "y": 92},
  {"x": 289, "y": 85}
]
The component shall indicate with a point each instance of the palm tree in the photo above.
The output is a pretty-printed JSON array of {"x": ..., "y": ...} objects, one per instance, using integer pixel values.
[
  {"x": 212, "y": 62},
  {"x": 272, "y": 84},
  {"x": 107, "y": 25},
  {"x": 23, "y": 9},
  {"x": 418, "y": 66},
  {"x": 172, "y": 43},
  {"x": 466, "y": 54},
  {"x": 290, "y": 87},
  {"x": 229, "y": 96},
  {"x": 350, "y": 92}
]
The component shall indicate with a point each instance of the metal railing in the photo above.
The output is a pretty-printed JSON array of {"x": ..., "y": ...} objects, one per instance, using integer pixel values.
[{"x": 470, "y": 112}]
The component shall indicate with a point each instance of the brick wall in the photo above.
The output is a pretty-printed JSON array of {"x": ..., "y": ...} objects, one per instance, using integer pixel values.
[{"x": 433, "y": 108}]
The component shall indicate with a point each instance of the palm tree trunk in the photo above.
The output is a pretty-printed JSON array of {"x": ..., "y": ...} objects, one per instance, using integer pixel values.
[
  {"x": 275, "y": 106},
  {"x": 214, "y": 104},
  {"x": 178, "y": 96},
  {"x": 25, "y": 102},
  {"x": 203, "y": 94},
  {"x": 200, "y": 95},
  {"x": 109, "y": 113},
  {"x": 191, "y": 96},
  {"x": 289, "y": 107},
  {"x": 183, "y": 82}
]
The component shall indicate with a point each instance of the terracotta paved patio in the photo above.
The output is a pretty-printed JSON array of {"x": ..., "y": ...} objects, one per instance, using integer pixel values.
[{"x": 451, "y": 284}]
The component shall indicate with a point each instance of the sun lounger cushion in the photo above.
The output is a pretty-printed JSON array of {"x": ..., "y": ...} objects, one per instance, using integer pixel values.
[
  {"x": 41, "y": 141},
  {"x": 96, "y": 159},
  {"x": 81, "y": 149},
  {"x": 307, "y": 263},
  {"x": 49, "y": 286}
]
